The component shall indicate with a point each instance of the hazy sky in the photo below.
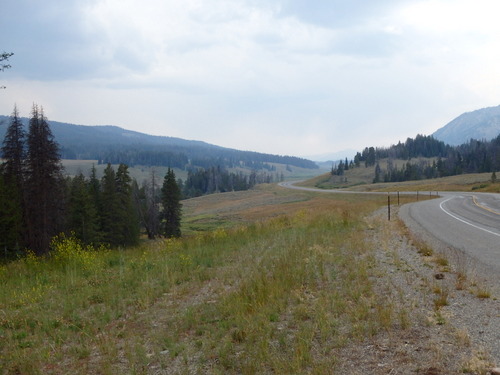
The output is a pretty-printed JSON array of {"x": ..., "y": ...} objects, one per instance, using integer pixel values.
[{"x": 285, "y": 76}]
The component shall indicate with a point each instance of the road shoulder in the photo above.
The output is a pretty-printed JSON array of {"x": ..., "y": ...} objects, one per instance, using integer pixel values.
[{"x": 443, "y": 326}]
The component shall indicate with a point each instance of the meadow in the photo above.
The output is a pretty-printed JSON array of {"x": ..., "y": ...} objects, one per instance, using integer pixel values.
[
  {"x": 265, "y": 281},
  {"x": 271, "y": 294}
]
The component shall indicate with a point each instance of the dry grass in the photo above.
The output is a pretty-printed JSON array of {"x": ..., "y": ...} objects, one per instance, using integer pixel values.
[
  {"x": 277, "y": 281},
  {"x": 279, "y": 295},
  {"x": 264, "y": 202}
]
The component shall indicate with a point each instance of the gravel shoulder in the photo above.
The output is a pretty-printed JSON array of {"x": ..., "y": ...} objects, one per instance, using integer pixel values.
[
  {"x": 475, "y": 306},
  {"x": 448, "y": 312}
]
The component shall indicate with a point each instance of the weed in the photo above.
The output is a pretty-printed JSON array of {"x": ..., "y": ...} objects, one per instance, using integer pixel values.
[
  {"x": 461, "y": 280},
  {"x": 483, "y": 293},
  {"x": 439, "y": 318},
  {"x": 442, "y": 262},
  {"x": 442, "y": 297},
  {"x": 477, "y": 363}
]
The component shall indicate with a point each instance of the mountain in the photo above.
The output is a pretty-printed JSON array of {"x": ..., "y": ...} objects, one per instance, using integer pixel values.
[
  {"x": 117, "y": 145},
  {"x": 481, "y": 124},
  {"x": 69, "y": 135}
]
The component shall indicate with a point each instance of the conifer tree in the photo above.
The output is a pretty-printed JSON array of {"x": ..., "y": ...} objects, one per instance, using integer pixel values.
[
  {"x": 109, "y": 210},
  {"x": 119, "y": 221},
  {"x": 10, "y": 221},
  {"x": 82, "y": 211},
  {"x": 44, "y": 201},
  {"x": 129, "y": 223},
  {"x": 170, "y": 215},
  {"x": 147, "y": 201},
  {"x": 12, "y": 186},
  {"x": 13, "y": 150}
]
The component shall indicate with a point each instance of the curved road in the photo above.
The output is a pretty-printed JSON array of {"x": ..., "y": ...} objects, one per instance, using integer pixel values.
[
  {"x": 469, "y": 222},
  {"x": 466, "y": 221}
]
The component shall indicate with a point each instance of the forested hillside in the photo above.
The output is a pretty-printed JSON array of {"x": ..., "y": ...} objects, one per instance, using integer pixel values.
[
  {"x": 111, "y": 144},
  {"x": 472, "y": 157}
]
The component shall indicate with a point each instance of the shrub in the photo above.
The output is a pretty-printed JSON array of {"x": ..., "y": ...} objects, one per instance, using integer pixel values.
[{"x": 70, "y": 251}]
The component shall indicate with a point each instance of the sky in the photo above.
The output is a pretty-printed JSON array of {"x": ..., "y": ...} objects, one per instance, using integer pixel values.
[{"x": 289, "y": 77}]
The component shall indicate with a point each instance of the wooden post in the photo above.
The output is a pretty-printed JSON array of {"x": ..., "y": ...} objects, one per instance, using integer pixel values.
[
  {"x": 389, "y": 206},
  {"x": 398, "y": 198},
  {"x": 417, "y": 195}
]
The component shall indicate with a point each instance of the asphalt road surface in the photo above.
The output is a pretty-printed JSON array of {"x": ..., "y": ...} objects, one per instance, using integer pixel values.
[{"x": 469, "y": 222}]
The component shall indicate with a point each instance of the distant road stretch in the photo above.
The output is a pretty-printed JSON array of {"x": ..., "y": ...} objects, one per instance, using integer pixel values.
[{"x": 466, "y": 221}]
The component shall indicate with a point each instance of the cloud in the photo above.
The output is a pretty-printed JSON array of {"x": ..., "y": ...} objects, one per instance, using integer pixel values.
[
  {"x": 46, "y": 37},
  {"x": 338, "y": 13},
  {"x": 363, "y": 72}
]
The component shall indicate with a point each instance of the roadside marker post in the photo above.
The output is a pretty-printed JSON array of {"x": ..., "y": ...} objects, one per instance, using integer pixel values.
[{"x": 389, "y": 206}]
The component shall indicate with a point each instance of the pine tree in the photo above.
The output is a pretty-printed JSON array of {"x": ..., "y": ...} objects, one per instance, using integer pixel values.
[
  {"x": 44, "y": 185},
  {"x": 10, "y": 221},
  {"x": 13, "y": 150},
  {"x": 109, "y": 210},
  {"x": 146, "y": 201},
  {"x": 170, "y": 215},
  {"x": 12, "y": 186},
  {"x": 129, "y": 222},
  {"x": 82, "y": 211},
  {"x": 119, "y": 222}
]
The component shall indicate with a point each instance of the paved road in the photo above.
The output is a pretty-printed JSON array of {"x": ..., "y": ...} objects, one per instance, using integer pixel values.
[
  {"x": 469, "y": 222},
  {"x": 466, "y": 221}
]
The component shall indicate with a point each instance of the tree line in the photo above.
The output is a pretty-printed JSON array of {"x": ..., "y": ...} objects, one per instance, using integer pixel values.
[
  {"x": 219, "y": 180},
  {"x": 185, "y": 159},
  {"x": 37, "y": 202},
  {"x": 475, "y": 156}
]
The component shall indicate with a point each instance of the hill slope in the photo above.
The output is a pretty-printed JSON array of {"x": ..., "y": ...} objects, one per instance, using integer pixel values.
[
  {"x": 117, "y": 145},
  {"x": 480, "y": 124}
]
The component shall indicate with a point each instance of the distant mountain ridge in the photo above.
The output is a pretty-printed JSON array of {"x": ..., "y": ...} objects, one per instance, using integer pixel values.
[
  {"x": 69, "y": 134},
  {"x": 480, "y": 124},
  {"x": 113, "y": 144}
]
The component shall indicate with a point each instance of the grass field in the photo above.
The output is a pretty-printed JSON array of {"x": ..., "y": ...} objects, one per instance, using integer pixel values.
[
  {"x": 265, "y": 281},
  {"x": 276, "y": 290}
]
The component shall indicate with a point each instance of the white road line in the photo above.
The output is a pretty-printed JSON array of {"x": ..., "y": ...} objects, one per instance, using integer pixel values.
[{"x": 462, "y": 220}]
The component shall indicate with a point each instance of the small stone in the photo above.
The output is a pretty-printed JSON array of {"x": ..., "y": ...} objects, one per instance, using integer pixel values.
[
  {"x": 165, "y": 352},
  {"x": 439, "y": 276},
  {"x": 495, "y": 371}
]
